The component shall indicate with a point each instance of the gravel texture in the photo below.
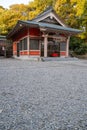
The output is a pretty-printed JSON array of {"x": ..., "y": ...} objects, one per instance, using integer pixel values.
[{"x": 43, "y": 95}]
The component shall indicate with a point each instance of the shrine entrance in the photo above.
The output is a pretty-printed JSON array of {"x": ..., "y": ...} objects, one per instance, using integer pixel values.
[{"x": 53, "y": 48}]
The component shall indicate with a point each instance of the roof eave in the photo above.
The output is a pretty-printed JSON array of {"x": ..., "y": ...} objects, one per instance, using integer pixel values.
[
  {"x": 20, "y": 24},
  {"x": 60, "y": 30}
]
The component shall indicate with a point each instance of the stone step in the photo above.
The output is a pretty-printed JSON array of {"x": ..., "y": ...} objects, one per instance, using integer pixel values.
[{"x": 59, "y": 59}]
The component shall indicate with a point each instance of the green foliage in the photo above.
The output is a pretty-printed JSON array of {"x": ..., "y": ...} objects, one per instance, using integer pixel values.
[
  {"x": 78, "y": 46},
  {"x": 83, "y": 20},
  {"x": 70, "y": 11},
  {"x": 75, "y": 42},
  {"x": 81, "y": 50},
  {"x": 38, "y": 6},
  {"x": 9, "y": 17}
]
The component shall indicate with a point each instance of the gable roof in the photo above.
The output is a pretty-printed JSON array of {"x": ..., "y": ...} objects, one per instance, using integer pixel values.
[{"x": 49, "y": 12}]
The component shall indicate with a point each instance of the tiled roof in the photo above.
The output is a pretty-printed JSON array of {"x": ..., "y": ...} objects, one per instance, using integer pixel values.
[
  {"x": 47, "y": 26},
  {"x": 57, "y": 27},
  {"x": 52, "y": 26}
]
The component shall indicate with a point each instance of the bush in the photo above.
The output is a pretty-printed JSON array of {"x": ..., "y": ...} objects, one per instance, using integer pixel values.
[
  {"x": 78, "y": 46},
  {"x": 81, "y": 50}
]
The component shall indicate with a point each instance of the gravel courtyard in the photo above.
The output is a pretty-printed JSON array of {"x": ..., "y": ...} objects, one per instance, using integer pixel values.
[{"x": 43, "y": 95}]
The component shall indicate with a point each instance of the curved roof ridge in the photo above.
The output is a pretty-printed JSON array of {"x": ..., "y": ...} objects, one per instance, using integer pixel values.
[{"x": 47, "y": 10}]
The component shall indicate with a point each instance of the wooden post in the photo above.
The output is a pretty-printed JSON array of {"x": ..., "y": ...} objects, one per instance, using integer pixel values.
[
  {"x": 67, "y": 46},
  {"x": 45, "y": 45}
]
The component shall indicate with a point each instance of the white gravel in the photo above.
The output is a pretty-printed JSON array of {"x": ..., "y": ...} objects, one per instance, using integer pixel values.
[{"x": 43, "y": 95}]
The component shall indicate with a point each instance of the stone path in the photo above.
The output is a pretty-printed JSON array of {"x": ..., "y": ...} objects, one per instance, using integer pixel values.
[{"x": 43, "y": 95}]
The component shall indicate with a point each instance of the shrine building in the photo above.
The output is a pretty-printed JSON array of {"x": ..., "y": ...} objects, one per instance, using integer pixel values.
[{"x": 44, "y": 36}]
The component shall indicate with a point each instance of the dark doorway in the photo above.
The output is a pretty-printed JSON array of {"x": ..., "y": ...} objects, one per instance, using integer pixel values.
[
  {"x": 42, "y": 48},
  {"x": 18, "y": 51},
  {"x": 2, "y": 51},
  {"x": 53, "y": 48}
]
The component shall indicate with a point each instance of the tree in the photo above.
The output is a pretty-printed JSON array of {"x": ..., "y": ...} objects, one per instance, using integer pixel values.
[
  {"x": 66, "y": 10},
  {"x": 38, "y": 6},
  {"x": 78, "y": 46},
  {"x": 9, "y": 17},
  {"x": 83, "y": 20},
  {"x": 21, "y": 10}
]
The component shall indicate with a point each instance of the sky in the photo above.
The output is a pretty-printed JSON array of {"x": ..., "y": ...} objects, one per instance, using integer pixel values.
[{"x": 7, "y": 3}]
